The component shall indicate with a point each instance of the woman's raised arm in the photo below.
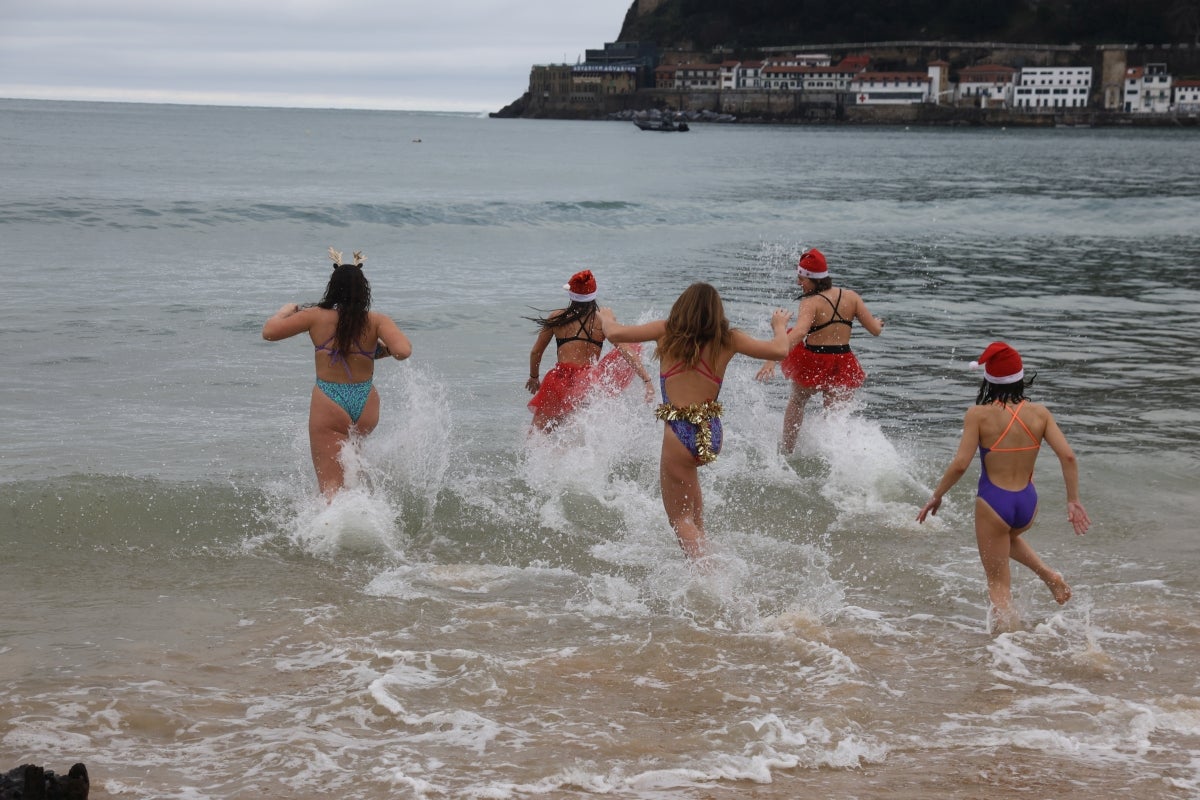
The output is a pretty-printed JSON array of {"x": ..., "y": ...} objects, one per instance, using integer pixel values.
[
  {"x": 617, "y": 333},
  {"x": 286, "y": 322},
  {"x": 773, "y": 349}
]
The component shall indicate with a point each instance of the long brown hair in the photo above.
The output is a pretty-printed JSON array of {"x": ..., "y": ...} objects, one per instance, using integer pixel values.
[
  {"x": 696, "y": 320},
  {"x": 349, "y": 292}
]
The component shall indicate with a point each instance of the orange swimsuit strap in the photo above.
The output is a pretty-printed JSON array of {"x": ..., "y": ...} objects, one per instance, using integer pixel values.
[{"x": 1015, "y": 419}]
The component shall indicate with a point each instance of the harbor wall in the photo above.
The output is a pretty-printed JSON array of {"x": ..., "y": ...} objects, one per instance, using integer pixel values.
[{"x": 839, "y": 108}]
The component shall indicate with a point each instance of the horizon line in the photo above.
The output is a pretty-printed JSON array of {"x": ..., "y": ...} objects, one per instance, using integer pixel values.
[{"x": 222, "y": 100}]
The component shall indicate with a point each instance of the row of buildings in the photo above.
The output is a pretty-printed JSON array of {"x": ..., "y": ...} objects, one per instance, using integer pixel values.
[{"x": 623, "y": 68}]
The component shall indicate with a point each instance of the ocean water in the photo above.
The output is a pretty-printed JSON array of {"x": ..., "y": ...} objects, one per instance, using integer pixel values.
[{"x": 486, "y": 615}]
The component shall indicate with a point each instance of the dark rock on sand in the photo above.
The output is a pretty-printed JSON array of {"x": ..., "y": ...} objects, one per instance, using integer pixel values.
[{"x": 31, "y": 782}]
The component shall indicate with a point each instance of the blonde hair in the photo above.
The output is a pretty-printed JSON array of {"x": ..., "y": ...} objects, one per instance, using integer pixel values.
[{"x": 696, "y": 320}]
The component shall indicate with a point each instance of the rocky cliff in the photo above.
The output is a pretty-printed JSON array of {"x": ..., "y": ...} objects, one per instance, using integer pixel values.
[{"x": 735, "y": 25}]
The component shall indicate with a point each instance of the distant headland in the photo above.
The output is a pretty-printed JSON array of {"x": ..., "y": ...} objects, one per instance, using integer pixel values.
[{"x": 918, "y": 81}]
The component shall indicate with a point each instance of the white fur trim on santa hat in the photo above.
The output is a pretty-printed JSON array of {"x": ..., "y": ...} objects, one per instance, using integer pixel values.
[
  {"x": 580, "y": 298},
  {"x": 1002, "y": 380}
]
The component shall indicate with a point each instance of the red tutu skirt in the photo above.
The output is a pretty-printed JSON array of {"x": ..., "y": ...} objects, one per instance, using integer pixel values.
[
  {"x": 823, "y": 371},
  {"x": 565, "y": 386}
]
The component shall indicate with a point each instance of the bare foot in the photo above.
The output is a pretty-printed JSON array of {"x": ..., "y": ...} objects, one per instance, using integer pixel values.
[
  {"x": 1002, "y": 620},
  {"x": 1059, "y": 587}
]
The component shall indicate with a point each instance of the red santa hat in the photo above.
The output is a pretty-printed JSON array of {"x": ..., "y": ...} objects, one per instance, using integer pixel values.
[
  {"x": 582, "y": 286},
  {"x": 1001, "y": 364},
  {"x": 812, "y": 265}
]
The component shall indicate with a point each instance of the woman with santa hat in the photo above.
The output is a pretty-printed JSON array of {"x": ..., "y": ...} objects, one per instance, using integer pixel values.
[
  {"x": 578, "y": 340},
  {"x": 819, "y": 359},
  {"x": 1006, "y": 502}
]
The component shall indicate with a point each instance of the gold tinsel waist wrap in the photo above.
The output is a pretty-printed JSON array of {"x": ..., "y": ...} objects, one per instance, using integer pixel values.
[{"x": 698, "y": 414}]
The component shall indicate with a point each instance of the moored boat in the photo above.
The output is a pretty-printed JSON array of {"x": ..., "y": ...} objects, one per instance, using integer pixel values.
[{"x": 662, "y": 124}]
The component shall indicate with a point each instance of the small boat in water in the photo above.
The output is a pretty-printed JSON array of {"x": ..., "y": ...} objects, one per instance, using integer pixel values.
[{"x": 662, "y": 124}]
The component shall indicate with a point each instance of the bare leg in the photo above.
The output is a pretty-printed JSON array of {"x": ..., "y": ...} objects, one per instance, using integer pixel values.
[
  {"x": 793, "y": 416},
  {"x": 681, "y": 495},
  {"x": 329, "y": 428},
  {"x": 1022, "y": 553},
  {"x": 992, "y": 535},
  {"x": 837, "y": 396}
]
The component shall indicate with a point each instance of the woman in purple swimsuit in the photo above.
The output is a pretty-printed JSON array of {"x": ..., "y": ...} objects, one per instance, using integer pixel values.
[
  {"x": 347, "y": 338},
  {"x": 1006, "y": 503},
  {"x": 695, "y": 345}
]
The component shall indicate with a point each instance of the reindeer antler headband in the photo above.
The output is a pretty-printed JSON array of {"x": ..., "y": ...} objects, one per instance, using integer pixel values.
[{"x": 336, "y": 256}]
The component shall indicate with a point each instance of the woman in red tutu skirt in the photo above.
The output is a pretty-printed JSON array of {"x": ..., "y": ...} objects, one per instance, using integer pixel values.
[
  {"x": 820, "y": 360},
  {"x": 580, "y": 370}
]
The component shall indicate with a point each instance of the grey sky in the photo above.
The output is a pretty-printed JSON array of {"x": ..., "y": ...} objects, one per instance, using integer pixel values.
[{"x": 444, "y": 55}]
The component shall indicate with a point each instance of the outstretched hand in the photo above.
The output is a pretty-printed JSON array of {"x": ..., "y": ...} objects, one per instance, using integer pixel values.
[
  {"x": 1077, "y": 516},
  {"x": 533, "y": 384},
  {"x": 931, "y": 507},
  {"x": 766, "y": 371},
  {"x": 780, "y": 318}
]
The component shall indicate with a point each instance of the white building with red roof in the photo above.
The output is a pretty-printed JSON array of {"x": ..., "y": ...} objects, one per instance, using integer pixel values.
[
  {"x": 987, "y": 84},
  {"x": 749, "y": 75},
  {"x": 1186, "y": 97},
  {"x": 788, "y": 77},
  {"x": 698, "y": 76},
  {"x": 1147, "y": 90},
  {"x": 809, "y": 79},
  {"x": 741, "y": 74},
  {"x": 892, "y": 88}
]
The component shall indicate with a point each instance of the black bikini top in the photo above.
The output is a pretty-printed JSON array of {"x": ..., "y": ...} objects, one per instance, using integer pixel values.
[
  {"x": 837, "y": 316},
  {"x": 580, "y": 335}
]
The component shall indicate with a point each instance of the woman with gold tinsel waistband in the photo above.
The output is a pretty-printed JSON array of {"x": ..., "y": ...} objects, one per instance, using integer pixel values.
[{"x": 695, "y": 345}]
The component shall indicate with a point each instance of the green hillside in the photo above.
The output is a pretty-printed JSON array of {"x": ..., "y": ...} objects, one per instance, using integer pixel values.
[{"x": 746, "y": 24}]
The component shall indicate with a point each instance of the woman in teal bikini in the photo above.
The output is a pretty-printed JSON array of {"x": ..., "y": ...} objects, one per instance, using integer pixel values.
[
  {"x": 347, "y": 338},
  {"x": 1006, "y": 501},
  {"x": 695, "y": 345}
]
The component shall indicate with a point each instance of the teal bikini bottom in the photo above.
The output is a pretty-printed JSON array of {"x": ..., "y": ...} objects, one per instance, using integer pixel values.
[{"x": 350, "y": 396}]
